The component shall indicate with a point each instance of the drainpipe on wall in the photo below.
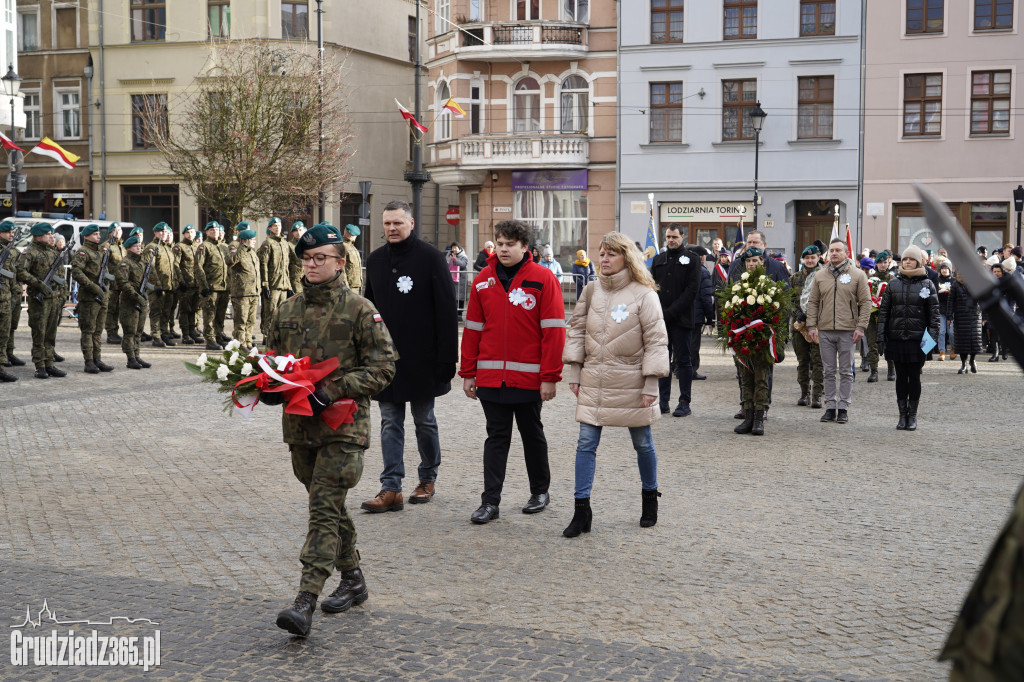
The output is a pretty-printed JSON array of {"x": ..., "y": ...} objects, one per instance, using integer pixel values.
[
  {"x": 437, "y": 215},
  {"x": 862, "y": 120},
  {"x": 103, "y": 124},
  {"x": 618, "y": 124}
]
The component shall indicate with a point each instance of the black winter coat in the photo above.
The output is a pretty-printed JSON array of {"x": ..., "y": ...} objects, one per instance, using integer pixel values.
[
  {"x": 677, "y": 272},
  {"x": 704, "y": 310},
  {"x": 904, "y": 314},
  {"x": 423, "y": 321},
  {"x": 772, "y": 267},
  {"x": 965, "y": 315}
]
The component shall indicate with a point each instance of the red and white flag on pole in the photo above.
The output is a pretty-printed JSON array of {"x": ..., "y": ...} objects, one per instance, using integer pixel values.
[
  {"x": 48, "y": 147},
  {"x": 410, "y": 118},
  {"x": 8, "y": 143}
]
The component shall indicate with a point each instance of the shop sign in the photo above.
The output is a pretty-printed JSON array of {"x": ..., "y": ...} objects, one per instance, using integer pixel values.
[
  {"x": 705, "y": 212},
  {"x": 527, "y": 181}
]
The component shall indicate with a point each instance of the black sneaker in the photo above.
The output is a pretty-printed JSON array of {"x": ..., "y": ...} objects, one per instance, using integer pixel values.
[
  {"x": 842, "y": 417},
  {"x": 682, "y": 410},
  {"x": 829, "y": 416}
]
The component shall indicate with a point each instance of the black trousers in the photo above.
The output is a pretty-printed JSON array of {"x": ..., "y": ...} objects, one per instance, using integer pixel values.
[
  {"x": 908, "y": 380},
  {"x": 695, "y": 346},
  {"x": 679, "y": 339},
  {"x": 499, "y": 437}
]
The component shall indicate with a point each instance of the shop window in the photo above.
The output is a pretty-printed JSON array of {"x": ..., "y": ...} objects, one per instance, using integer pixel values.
[{"x": 556, "y": 217}]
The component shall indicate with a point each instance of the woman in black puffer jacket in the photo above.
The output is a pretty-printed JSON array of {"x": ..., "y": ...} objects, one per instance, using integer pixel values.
[
  {"x": 909, "y": 308},
  {"x": 965, "y": 316}
]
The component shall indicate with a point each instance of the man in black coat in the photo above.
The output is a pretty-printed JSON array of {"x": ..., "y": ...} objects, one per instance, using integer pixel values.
[
  {"x": 704, "y": 309},
  {"x": 677, "y": 272},
  {"x": 408, "y": 281}
]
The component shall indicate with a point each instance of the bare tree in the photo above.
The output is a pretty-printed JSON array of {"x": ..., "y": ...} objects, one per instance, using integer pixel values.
[{"x": 245, "y": 136}]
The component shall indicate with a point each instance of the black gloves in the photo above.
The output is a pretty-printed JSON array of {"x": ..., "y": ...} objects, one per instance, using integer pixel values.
[
  {"x": 319, "y": 401},
  {"x": 272, "y": 398}
]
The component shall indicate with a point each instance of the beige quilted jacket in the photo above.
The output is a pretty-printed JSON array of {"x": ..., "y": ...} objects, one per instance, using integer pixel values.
[{"x": 616, "y": 350}]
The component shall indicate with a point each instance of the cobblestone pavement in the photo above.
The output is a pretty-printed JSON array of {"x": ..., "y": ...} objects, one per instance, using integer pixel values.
[{"x": 819, "y": 551}]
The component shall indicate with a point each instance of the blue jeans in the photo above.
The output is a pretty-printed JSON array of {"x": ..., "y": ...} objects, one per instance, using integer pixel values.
[
  {"x": 392, "y": 442},
  {"x": 586, "y": 457},
  {"x": 943, "y": 331}
]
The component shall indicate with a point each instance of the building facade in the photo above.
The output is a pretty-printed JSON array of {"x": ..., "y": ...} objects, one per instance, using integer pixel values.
[
  {"x": 147, "y": 53},
  {"x": 943, "y": 81},
  {"x": 689, "y": 75},
  {"x": 537, "y": 83}
]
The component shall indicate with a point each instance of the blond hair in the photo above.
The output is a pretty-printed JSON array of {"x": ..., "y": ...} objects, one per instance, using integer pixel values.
[{"x": 620, "y": 243}]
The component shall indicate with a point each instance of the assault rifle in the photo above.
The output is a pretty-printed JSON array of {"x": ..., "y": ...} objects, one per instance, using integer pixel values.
[
  {"x": 105, "y": 276},
  {"x": 51, "y": 273},
  {"x": 144, "y": 286},
  {"x": 3, "y": 259}
]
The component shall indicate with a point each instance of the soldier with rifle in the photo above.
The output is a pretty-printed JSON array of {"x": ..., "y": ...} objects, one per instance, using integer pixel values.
[
  {"x": 116, "y": 249},
  {"x": 8, "y": 282},
  {"x": 37, "y": 268},
  {"x": 90, "y": 267},
  {"x": 133, "y": 282}
]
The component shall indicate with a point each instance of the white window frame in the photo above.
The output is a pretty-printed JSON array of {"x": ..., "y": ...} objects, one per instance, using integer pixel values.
[
  {"x": 443, "y": 121},
  {"x": 9, "y": 10},
  {"x": 21, "y": 28},
  {"x": 575, "y": 93},
  {"x": 478, "y": 103},
  {"x": 576, "y": 10},
  {"x": 476, "y": 10},
  {"x": 37, "y": 110},
  {"x": 514, "y": 10},
  {"x": 514, "y": 109},
  {"x": 442, "y": 17},
  {"x": 59, "y": 110},
  {"x": 66, "y": 4}
]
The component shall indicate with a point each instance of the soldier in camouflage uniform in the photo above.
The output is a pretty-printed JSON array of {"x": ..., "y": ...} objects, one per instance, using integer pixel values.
[
  {"x": 174, "y": 294},
  {"x": 116, "y": 249},
  {"x": 330, "y": 320},
  {"x": 61, "y": 287},
  {"x": 32, "y": 268},
  {"x": 8, "y": 283},
  {"x": 227, "y": 250},
  {"x": 276, "y": 258},
  {"x": 92, "y": 299},
  {"x": 353, "y": 262},
  {"x": 211, "y": 273},
  {"x": 134, "y": 305},
  {"x": 188, "y": 299},
  {"x": 808, "y": 354},
  {"x": 295, "y": 269},
  {"x": 987, "y": 642},
  {"x": 162, "y": 279},
  {"x": 244, "y": 284},
  {"x": 754, "y": 386}
]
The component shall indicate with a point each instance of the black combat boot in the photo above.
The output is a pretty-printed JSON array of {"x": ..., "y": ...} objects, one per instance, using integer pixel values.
[
  {"x": 351, "y": 591},
  {"x": 104, "y": 367},
  {"x": 298, "y": 619},
  {"x": 145, "y": 337},
  {"x": 133, "y": 363},
  {"x": 41, "y": 373},
  {"x": 816, "y": 401},
  {"x": 901, "y": 425},
  {"x": 113, "y": 339},
  {"x": 168, "y": 340},
  {"x": 757, "y": 427},
  {"x": 15, "y": 360},
  {"x": 173, "y": 334},
  {"x": 581, "y": 518},
  {"x": 188, "y": 340},
  {"x": 891, "y": 374},
  {"x": 157, "y": 343},
  {"x": 54, "y": 372},
  {"x": 91, "y": 368},
  {"x": 57, "y": 357},
  {"x": 6, "y": 377},
  {"x": 805, "y": 398},
  {"x": 145, "y": 365},
  {"x": 748, "y": 421},
  {"x": 873, "y": 377},
  {"x": 648, "y": 508},
  {"x": 912, "y": 415},
  {"x": 742, "y": 414},
  {"x": 213, "y": 345}
]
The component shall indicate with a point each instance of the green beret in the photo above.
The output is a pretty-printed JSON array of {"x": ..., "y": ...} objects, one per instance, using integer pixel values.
[
  {"x": 160, "y": 227},
  {"x": 752, "y": 252},
  {"x": 812, "y": 249},
  {"x": 115, "y": 224},
  {"x": 135, "y": 232},
  {"x": 7, "y": 226},
  {"x": 352, "y": 230},
  {"x": 318, "y": 235},
  {"x": 298, "y": 225},
  {"x": 131, "y": 241},
  {"x": 39, "y": 229},
  {"x": 884, "y": 255},
  {"x": 189, "y": 227},
  {"x": 212, "y": 225},
  {"x": 273, "y": 220},
  {"x": 244, "y": 225},
  {"x": 89, "y": 229},
  {"x": 247, "y": 234}
]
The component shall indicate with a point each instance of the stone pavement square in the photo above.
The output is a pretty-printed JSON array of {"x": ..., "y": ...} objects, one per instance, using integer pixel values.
[{"x": 820, "y": 551}]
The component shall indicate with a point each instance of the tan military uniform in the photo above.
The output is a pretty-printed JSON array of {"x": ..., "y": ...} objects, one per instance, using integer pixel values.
[
  {"x": 244, "y": 284},
  {"x": 211, "y": 273},
  {"x": 295, "y": 270},
  {"x": 188, "y": 300},
  {"x": 92, "y": 300},
  {"x": 33, "y": 265},
  {"x": 133, "y": 306},
  {"x": 353, "y": 267},
  {"x": 161, "y": 300},
  {"x": 276, "y": 257},
  {"x": 117, "y": 253}
]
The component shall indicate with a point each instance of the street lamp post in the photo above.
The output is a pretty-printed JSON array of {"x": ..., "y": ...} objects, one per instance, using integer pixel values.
[
  {"x": 1018, "y": 205},
  {"x": 88, "y": 73},
  {"x": 12, "y": 84},
  {"x": 757, "y": 116}
]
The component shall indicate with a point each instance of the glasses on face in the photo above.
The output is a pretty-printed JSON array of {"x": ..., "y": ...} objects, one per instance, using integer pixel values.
[{"x": 316, "y": 259}]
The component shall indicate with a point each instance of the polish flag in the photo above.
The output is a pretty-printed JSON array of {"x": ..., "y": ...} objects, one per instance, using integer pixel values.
[
  {"x": 410, "y": 118},
  {"x": 48, "y": 147},
  {"x": 9, "y": 144}
]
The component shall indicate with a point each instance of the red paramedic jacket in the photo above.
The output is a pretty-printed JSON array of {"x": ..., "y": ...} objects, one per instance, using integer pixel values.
[{"x": 514, "y": 336}]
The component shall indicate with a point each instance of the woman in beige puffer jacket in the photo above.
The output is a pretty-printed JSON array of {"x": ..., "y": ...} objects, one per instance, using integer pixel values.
[{"x": 615, "y": 351}]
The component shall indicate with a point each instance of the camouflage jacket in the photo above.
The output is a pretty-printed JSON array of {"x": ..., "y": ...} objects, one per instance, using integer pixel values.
[
  {"x": 162, "y": 276},
  {"x": 353, "y": 266},
  {"x": 117, "y": 254},
  {"x": 9, "y": 286},
  {"x": 85, "y": 268},
  {"x": 185, "y": 255},
  {"x": 244, "y": 273},
  {"x": 129, "y": 277},
  {"x": 295, "y": 269},
  {"x": 797, "y": 282},
  {"x": 275, "y": 263},
  {"x": 211, "y": 272},
  {"x": 324, "y": 321},
  {"x": 33, "y": 266}
]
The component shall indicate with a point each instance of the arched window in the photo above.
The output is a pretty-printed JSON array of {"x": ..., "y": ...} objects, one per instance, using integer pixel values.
[
  {"x": 526, "y": 103},
  {"x": 443, "y": 127},
  {"x": 575, "y": 105}
]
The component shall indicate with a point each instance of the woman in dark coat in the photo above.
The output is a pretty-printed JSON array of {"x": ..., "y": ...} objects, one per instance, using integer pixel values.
[
  {"x": 909, "y": 309},
  {"x": 965, "y": 316}
]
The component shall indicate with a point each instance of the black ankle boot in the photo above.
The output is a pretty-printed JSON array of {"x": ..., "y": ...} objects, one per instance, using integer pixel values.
[
  {"x": 649, "y": 508},
  {"x": 757, "y": 426},
  {"x": 912, "y": 415},
  {"x": 805, "y": 399},
  {"x": 351, "y": 591},
  {"x": 298, "y": 619},
  {"x": 133, "y": 363},
  {"x": 581, "y": 518},
  {"x": 902, "y": 423},
  {"x": 748, "y": 421},
  {"x": 963, "y": 365}
]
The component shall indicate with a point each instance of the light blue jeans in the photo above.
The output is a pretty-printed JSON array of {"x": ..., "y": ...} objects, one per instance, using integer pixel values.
[
  {"x": 392, "y": 442},
  {"x": 586, "y": 457},
  {"x": 943, "y": 331}
]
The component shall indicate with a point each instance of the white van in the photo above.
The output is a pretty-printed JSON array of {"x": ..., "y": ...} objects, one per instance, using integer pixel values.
[{"x": 69, "y": 229}]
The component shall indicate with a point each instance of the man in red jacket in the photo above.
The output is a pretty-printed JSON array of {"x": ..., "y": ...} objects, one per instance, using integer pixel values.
[{"x": 511, "y": 360}]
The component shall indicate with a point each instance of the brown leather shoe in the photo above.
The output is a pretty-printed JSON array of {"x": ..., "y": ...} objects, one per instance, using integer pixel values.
[
  {"x": 386, "y": 500},
  {"x": 423, "y": 493}
]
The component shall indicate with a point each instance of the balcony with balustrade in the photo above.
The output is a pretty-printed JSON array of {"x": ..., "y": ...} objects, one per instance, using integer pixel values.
[
  {"x": 467, "y": 160},
  {"x": 523, "y": 40}
]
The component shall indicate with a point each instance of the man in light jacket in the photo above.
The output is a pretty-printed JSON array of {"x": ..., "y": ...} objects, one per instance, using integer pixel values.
[{"x": 838, "y": 312}]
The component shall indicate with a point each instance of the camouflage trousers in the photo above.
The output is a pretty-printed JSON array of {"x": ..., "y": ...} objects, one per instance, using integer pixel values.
[
  {"x": 43, "y": 323},
  {"x": 753, "y": 383},
  {"x": 133, "y": 323},
  {"x": 215, "y": 308},
  {"x": 987, "y": 642},
  {"x": 327, "y": 472},
  {"x": 245, "y": 319},
  {"x": 113, "y": 310},
  {"x": 188, "y": 304},
  {"x": 15, "y": 318},
  {"x": 808, "y": 369},
  {"x": 268, "y": 306},
  {"x": 871, "y": 339},
  {"x": 91, "y": 316},
  {"x": 5, "y": 324},
  {"x": 161, "y": 307}
]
